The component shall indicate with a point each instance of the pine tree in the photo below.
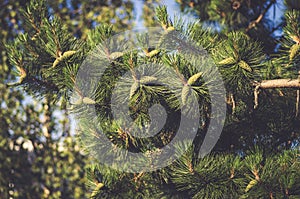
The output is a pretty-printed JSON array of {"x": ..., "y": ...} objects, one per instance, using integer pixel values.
[
  {"x": 262, "y": 20},
  {"x": 255, "y": 156}
]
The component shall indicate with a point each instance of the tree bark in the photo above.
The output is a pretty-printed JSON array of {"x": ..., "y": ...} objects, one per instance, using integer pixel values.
[{"x": 278, "y": 83}]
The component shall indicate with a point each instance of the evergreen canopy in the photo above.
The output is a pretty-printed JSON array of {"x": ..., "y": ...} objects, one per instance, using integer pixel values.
[{"x": 256, "y": 155}]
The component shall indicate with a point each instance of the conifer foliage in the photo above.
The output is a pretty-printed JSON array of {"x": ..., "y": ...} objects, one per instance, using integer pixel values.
[{"x": 256, "y": 156}]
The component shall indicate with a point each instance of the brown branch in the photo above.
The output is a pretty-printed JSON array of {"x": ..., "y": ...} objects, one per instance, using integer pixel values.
[
  {"x": 256, "y": 92},
  {"x": 233, "y": 103},
  {"x": 279, "y": 83},
  {"x": 276, "y": 83},
  {"x": 75, "y": 87},
  {"x": 297, "y": 102},
  {"x": 253, "y": 23}
]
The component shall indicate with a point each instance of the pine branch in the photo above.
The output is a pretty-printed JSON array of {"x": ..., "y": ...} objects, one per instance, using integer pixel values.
[
  {"x": 278, "y": 83},
  {"x": 254, "y": 23}
]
